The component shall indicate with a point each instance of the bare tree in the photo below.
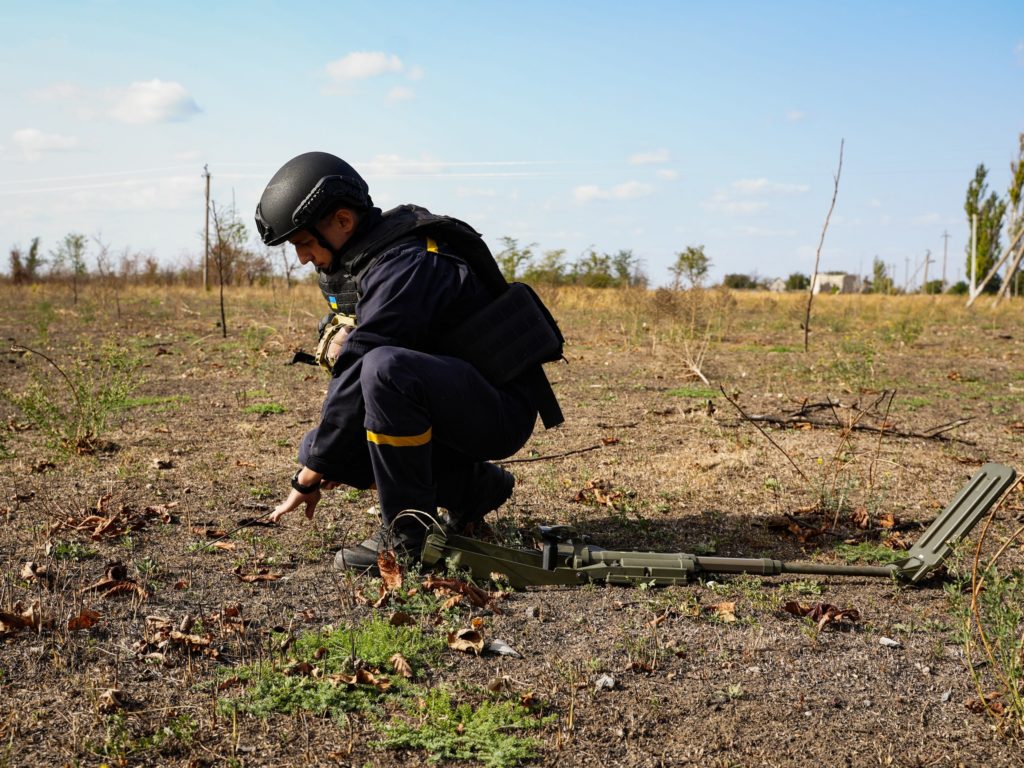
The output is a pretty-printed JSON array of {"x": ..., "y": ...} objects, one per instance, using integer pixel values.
[{"x": 821, "y": 242}]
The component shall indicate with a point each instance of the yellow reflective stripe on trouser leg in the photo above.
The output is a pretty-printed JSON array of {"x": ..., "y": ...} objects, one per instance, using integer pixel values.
[
  {"x": 398, "y": 441},
  {"x": 432, "y": 245}
]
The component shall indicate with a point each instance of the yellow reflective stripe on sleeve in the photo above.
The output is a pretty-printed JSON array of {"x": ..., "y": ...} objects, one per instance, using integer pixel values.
[
  {"x": 432, "y": 245},
  {"x": 399, "y": 442}
]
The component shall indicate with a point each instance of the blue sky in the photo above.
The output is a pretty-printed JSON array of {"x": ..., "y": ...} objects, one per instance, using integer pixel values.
[{"x": 646, "y": 125}]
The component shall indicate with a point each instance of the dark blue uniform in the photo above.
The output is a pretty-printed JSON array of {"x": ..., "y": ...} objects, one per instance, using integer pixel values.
[{"x": 399, "y": 413}]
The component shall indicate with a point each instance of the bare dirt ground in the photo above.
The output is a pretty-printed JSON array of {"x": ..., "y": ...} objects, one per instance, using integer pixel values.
[{"x": 141, "y": 630}]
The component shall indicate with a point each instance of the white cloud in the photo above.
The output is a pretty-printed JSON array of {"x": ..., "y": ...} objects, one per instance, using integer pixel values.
[
  {"x": 62, "y": 91},
  {"x": 465, "y": 192},
  {"x": 401, "y": 93},
  {"x": 360, "y": 65},
  {"x": 630, "y": 190},
  {"x": 656, "y": 157},
  {"x": 397, "y": 166},
  {"x": 764, "y": 187},
  {"x": 34, "y": 143},
  {"x": 796, "y": 116},
  {"x": 747, "y": 196},
  {"x": 151, "y": 101},
  {"x": 721, "y": 202},
  {"x": 765, "y": 231}
]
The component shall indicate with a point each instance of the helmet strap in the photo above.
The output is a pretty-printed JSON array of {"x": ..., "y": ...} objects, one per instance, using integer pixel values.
[{"x": 335, "y": 252}]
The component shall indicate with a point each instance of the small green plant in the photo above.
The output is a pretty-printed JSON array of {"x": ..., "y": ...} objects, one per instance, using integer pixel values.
[
  {"x": 488, "y": 732},
  {"x": 72, "y": 550},
  {"x": 698, "y": 393},
  {"x": 264, "y": 409},
  {"x": 803, "y": 587},
  {"x": 261, "y": 492},
  {"x": 869, "y": 553},
  {"x": 74, "y": 417},
  {"x": 990, "y": 606}
]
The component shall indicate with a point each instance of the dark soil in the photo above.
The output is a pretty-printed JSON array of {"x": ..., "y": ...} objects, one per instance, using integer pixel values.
[{"x": 650, "y": 458}]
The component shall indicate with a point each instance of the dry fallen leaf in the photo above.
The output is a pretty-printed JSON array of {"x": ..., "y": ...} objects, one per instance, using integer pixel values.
[
  {"x": 467, "y": 641},
  {"x": 390, "y": 571},
  {"x": 725, "y": 611},
  {"x": 22, "y": 617},
  {"x": 402, "y": 666},
  {"x": 823, "y": 613},
  {"x": 86, "y": 619},
  {"x": 261, "y": 574},
  {"x": 401, "y": 619},
  {"x": 860, "y": 517},
  {"x": 111, "y": 700}
]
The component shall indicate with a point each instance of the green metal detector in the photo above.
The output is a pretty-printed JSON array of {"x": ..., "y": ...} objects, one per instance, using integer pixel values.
[{"x": 567, "y": 559}]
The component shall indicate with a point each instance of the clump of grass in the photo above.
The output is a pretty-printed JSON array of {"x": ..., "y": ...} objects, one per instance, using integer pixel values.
[
  {"x": 699, "y": 393},
  {"x": 74, "y": 416},
  {"x": 868, "y": 552},
  {"x": 486, "y": 731},
  {"x": 264, "y": 409},
  {"x": 991, "y": 616},
  {"x": 316, "y": 679},
  {"x": 333, "y": 651}
]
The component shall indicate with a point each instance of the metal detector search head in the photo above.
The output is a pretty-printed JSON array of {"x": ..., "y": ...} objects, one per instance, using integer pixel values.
[{"x": 956, "y": 521}]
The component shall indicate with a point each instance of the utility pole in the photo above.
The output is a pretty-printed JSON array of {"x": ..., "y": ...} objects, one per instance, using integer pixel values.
[
  {"x": 927, "y": 261},
  {"x": 945, "y": 248},
  {"x": 206, "y": 234}
]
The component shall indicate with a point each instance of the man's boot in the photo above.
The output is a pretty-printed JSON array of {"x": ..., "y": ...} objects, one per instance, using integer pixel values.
[
  {"x": 489, "y": 488},
  {"x": 406, "y": 541}
]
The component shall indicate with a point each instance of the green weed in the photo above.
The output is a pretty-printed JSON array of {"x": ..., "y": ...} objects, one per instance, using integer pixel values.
[
  {"x": 699, "y": 393},
  {"x": 264, "y": 409},
  {"x": 487, "y": 731},
  {"x": 72, "y": 550},
  {"x": 869, "y": 553},
  {"x": 73, "y": 410}
]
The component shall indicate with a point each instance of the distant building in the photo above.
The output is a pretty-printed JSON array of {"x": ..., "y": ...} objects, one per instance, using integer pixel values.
[
  {"x": 778, "y": 285},
  {"x": 837, "y": 282}
]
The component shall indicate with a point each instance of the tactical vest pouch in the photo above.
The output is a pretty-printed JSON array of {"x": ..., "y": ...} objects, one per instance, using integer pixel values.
[
  {"x": 338, "y": 324},
  {"x": 508, "y": 336}
]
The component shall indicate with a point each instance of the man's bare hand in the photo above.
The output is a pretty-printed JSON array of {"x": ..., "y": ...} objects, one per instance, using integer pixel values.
[{"x": 295, "y": 500}]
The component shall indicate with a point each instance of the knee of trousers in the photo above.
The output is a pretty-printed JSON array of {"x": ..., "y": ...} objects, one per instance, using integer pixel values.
[{"x": 387, "y": 371}]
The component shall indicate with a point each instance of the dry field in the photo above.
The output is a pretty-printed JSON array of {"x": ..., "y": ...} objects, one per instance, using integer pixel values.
[{"x": 133, "y": 631}]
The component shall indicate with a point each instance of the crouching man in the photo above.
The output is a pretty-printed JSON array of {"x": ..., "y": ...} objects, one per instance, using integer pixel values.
[{"x": 441, "y": 373}]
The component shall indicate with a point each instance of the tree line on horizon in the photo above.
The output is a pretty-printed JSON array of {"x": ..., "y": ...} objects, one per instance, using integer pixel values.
[{"x": 233, "y": 260}]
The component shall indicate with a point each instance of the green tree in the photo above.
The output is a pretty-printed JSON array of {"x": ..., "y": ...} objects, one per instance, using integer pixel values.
[
  {"x": 1015, "y": 215},
  {"x": 739, "y": 282},
  {"x": 990, "y": 211},
  {"x": 512, "y": 258},
  {"x": 797, "y": 282},
  {"x": 551, "y": 269},
  {"x": 881, "y": 281},
  {"x": 593, "y": 270},
  {"x": 691, "y": 265},
  {"x": 626, "y": 270},
  {"x": 68, "y": 258}
]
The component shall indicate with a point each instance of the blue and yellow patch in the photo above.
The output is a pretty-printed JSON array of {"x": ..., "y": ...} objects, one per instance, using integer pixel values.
[{"x": 333, "y": 301}]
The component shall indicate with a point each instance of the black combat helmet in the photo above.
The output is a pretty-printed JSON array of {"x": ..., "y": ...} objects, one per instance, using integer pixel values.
[{"x": 305, "y": 189}]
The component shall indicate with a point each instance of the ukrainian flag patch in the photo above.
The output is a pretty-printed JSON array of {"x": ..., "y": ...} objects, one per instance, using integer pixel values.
[{"x": 333, "y": 301}]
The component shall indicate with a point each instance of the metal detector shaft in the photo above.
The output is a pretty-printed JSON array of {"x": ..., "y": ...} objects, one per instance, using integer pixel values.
[{"x": 567, "y": 559}]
